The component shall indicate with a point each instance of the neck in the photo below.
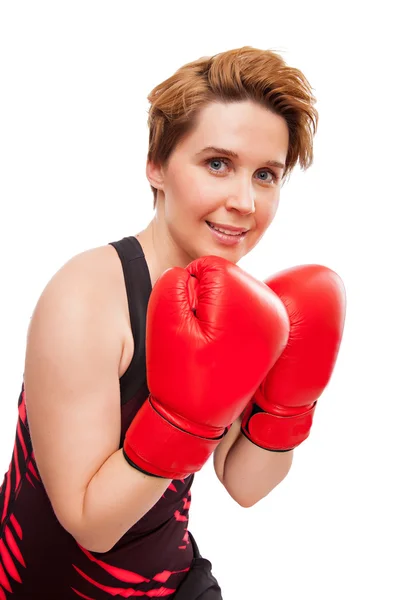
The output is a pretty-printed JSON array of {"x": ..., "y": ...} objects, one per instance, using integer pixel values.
[{"x": 160, "y": 250}]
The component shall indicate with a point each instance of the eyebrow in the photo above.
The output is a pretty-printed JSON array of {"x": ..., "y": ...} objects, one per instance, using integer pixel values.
[{"x": 232, "y": 154}]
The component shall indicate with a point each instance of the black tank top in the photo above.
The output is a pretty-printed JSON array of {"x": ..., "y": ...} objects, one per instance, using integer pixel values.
[{"x": 39, "y": 558}]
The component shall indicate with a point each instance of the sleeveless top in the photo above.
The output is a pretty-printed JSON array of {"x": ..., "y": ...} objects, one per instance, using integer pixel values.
[{"x": 39, "y": 558}]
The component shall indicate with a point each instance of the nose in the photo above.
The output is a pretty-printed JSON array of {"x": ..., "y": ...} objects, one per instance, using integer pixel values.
[{"x": 241, "y": 197}]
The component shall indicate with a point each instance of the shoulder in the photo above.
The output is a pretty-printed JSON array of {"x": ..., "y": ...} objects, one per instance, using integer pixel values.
[
  {"x": 92, "y": 282},
  {"x": 95, "y": 274},
  {"x": 101, "y": 264}
]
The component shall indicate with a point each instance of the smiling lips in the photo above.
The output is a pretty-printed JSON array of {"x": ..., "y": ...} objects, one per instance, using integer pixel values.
[
  {"x": 226, "y": 234},
  {"x": 227, "y": 229}
]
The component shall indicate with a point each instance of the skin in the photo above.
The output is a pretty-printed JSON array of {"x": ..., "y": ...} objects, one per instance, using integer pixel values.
[
  {"x": 81, "y": 324},
  {"x": 194, "y": 188}
]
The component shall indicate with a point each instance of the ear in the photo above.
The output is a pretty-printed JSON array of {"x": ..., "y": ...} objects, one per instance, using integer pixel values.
[{"x": 155, "y": 175}]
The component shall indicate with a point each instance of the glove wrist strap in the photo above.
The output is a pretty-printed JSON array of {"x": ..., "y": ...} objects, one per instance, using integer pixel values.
[
  {"x": 156, "y": 447},
  {"x": 277, "y": 433}
]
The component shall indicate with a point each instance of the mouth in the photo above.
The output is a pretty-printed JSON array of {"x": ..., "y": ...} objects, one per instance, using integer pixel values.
[
  {"x": 226, "y": 234},
  {"x": 227, "y": 229}
]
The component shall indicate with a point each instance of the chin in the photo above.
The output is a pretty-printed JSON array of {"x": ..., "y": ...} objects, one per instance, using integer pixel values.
[{"x": 229, "y": 253}]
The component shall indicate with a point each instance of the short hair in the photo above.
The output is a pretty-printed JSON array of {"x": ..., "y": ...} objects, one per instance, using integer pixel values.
[{"x": 235, "y": 75}]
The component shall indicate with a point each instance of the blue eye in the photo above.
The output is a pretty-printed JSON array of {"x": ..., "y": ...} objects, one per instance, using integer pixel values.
[
  {"x": 274, "y": 177},
  {"x": 216, "y": 161}
]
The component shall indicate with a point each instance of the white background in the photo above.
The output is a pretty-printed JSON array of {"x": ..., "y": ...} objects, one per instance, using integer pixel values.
[{"x": 74, "y": 79}]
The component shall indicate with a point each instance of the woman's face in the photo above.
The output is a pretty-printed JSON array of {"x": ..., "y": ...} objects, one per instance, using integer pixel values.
[{"x": 219, "y": 176}]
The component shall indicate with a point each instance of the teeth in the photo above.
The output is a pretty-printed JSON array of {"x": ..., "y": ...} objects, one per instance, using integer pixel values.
[{"x": 227, "y": 232}]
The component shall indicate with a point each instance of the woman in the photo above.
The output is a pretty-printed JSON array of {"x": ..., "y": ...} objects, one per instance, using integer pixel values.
[{"x": 78, "y": 518}]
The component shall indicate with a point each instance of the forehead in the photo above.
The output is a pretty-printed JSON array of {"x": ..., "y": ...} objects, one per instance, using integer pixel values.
[{"x": 237, "y": 125}]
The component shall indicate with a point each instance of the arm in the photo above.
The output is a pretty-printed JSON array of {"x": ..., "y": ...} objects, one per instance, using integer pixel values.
[
  {"x": 74, "y": 347},
  {"x": 280, "y": 416},
  {"x": 247, "y": 472}
]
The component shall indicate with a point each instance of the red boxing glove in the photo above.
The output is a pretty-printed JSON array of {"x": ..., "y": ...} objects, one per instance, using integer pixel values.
[
  {"x": 213, "y": 332},
  {"x": 280, "y": 416}
]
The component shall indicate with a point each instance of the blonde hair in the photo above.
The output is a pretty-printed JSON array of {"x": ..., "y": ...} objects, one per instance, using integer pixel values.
[{"x": 236, "y": 75}]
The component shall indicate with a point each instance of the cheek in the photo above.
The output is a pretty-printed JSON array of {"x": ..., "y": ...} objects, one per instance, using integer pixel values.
[
  {"x": 192, "y": 193},
  {"x": 266, "y": 212}
]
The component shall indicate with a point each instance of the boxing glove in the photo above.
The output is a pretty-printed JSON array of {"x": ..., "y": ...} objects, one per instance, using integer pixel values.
[
  {"x": 280, "y": 416},
  {"x": 212, "y": 333}
]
